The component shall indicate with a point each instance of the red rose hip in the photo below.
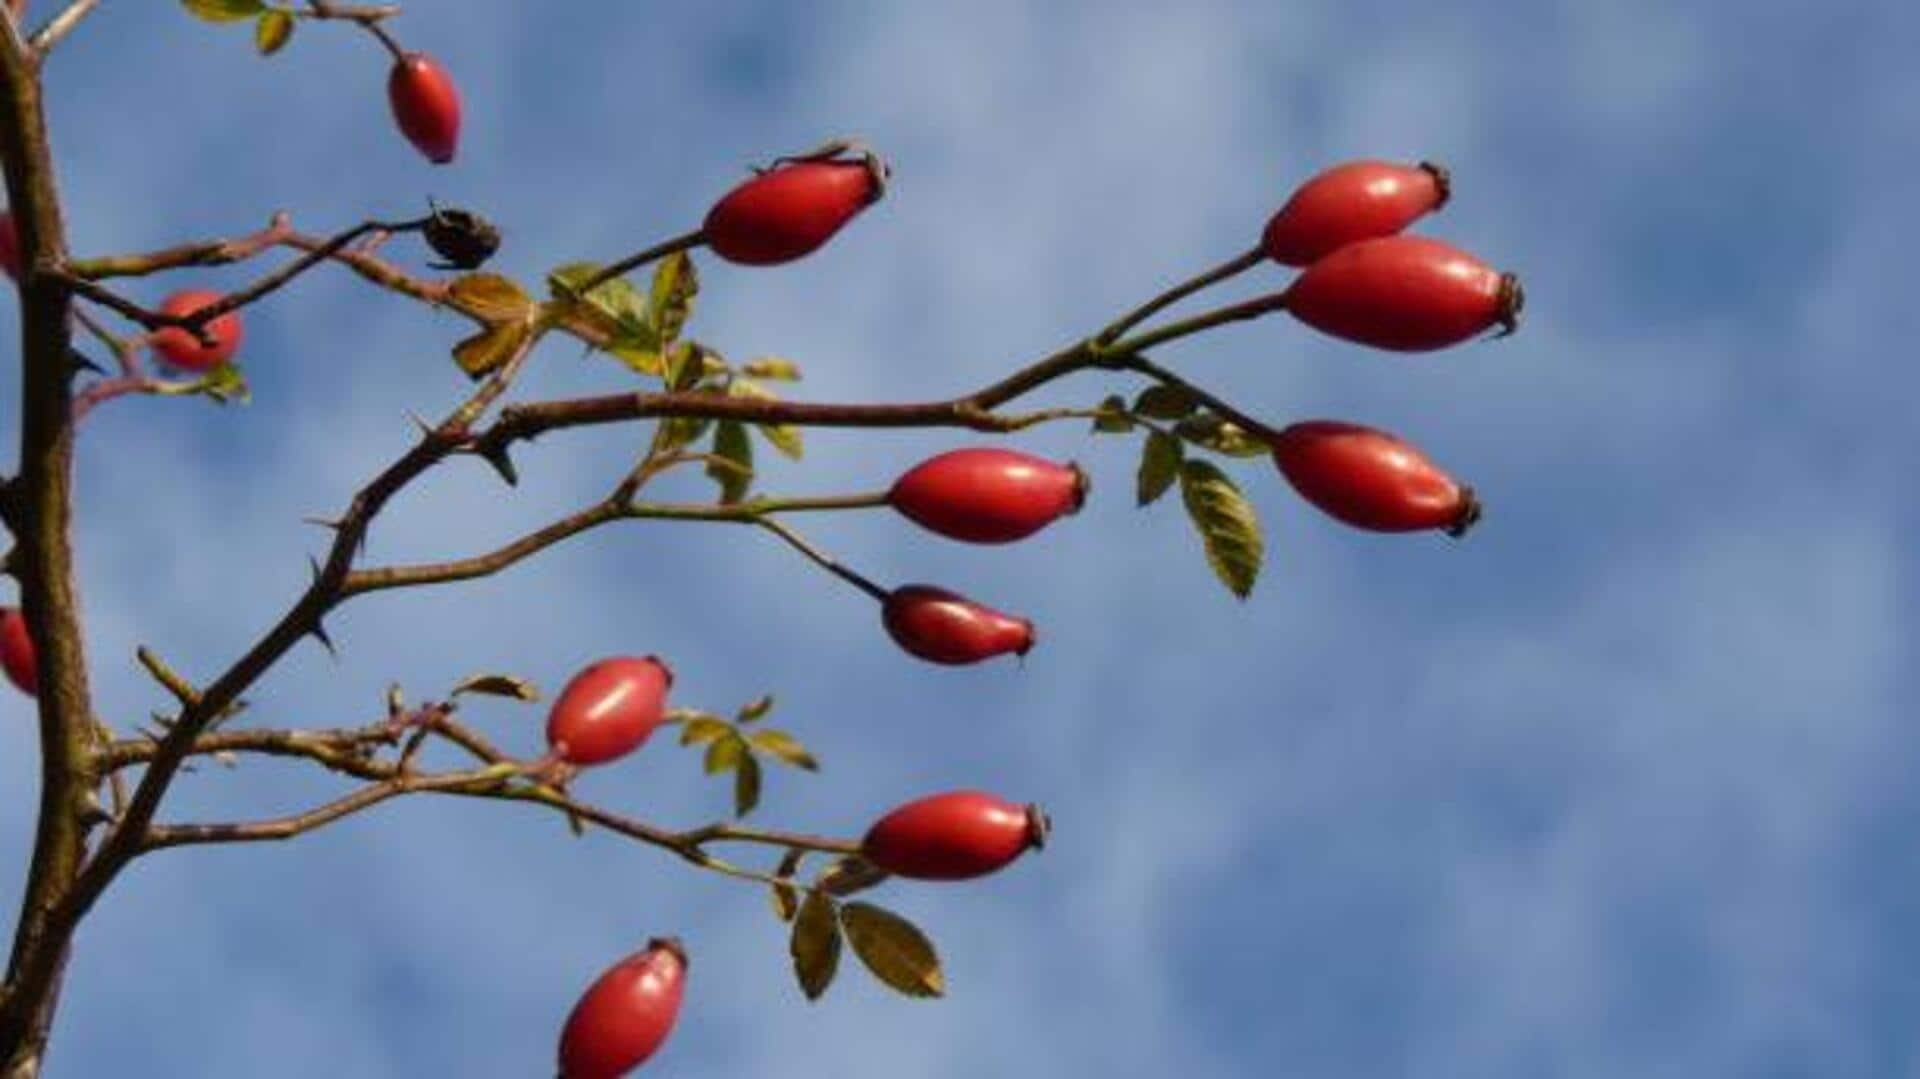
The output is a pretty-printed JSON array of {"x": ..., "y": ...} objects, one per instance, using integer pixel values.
[
  {"x": 17, "y": 653},
  {"x": 624, "y": 1017},
  {"x": 790, "y": 210},
  {"x": 1405, "y": 293},
  {"x": 943, "y": 627},
  {"x": 181, "y": 349},
  {"x": 953, "y": 836},
  {"x": 988, "y": 495},
  {"x": 425, "y": 105},
  {"x": 9, "y": 246},
  {"x": 1372, "y": 480},
  {"x": 608, "y": 709},
  {"x": 1357, "y": 200}
]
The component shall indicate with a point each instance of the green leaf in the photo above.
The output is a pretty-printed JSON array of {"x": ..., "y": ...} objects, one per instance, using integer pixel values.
[
  {"x": 730, "y": 444},
  {"x": 224, "y": 10},
  {"x": 491, "y": 297},
  {"x": 498, "y": 685},
  {"x": 273, "y": 31},
  {"x": 225, "y": 384},
  {"x": 774, "y": 368},
  {"x": 784, "y": 438},
  {"x": 746, "y": 785},
  {"x": 815, "y": 944},
  {"x": 725, "y": 754},
  {"x": 670, "y": 300},
  {"x": 1160, "y": 461},
  {"x": 786, "y": 897},
  {"x": 1113, "y": 418},
  {"x": 783, "y": 746},
  {"x": 894, "y": 949},
  {"x": 686, "y": 365},
  {"x": 1225, "y": 519},
  {"x": 484, "y": 352},
  {"x": 848, "y": 875},
  {"x": 700, "y": 730},
  {"x": 755, "y": 709},
  {"x": 1164, "y": 403},
  {"x": 1220, "y": 436},
  {"x": 613, "y": 309}
]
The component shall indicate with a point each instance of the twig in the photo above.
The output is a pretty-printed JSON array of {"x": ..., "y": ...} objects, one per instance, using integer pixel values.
[
  {"x": 1231, "y": 268},
  {"x": 62, "y": 24}
]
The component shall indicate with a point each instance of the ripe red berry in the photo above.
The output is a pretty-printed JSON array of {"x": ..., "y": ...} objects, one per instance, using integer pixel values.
[
  {"x": 626, "y": 1014},
  {"x": 9, "y": 247},
  {"x": 181, "y": 349},
  {"x": 953, "y": 836},
  {"x": 942, "y": 627},
  {"x": 425, "y": 105},
  {"x": 608, "y": 709},
  {"x": 988, "y": 495},
  {"x": 1370, "y": 479},
  {"x": 789, "y": 210},
  {"x": 17, "y": 654},
  {"x": 1406, "y": 293},
  {"x": 1357, "y": 200}
]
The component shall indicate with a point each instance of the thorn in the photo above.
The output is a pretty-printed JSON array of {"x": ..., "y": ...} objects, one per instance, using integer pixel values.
[
  {"x": 319, "y": 633},
  {"x": 313, "y": 564},
  {"x": 333, "y": 523},
  {"x": 502, "y": 463},
  {"x": 83, "y": 362},
  {"x": 396, "y": 703},
  {"x": 426, "y": 429}
]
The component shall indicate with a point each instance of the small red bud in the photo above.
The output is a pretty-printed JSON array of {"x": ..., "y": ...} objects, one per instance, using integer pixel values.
[
  {"x": 608, "y": 710},
  {"x": 1406, "y": 293},
  {"x": 625, "y": 1016},
  {"x": 1371, "y": 480},
  {"x": 425, "y": 105},
  {"x": 1357, "y": 200},
  {"x": 181, "y": 349},
  {"x": 942, "y": 627},
  {"x": 988, "y": 495},
  {"x": 9, "y": 247},
  {"x": 953, "y": 836},
  {"x": 789, "y": 210},
  {"x": 17, "y": 654}
]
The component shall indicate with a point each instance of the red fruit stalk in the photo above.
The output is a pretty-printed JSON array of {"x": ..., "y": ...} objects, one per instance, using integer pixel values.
[
  {"x": 790, "y": 210},
  {"x": 626, "y": 1014},
  {"x": 943, "y": 627},
  {"x": 1405, "y": 293},
  {"x": 954, "y": 836},
  {"x": 1357, "y": 200},
  {"x": 17, "y": 654},
  {"x": 608, "y": 710},
  {"x": 1372, "y": 480},
  {"x": 425, "y": 105},
  {"x": 181, "y": 349},
  {"x": 988, "y": 495},
  {"x": 9, "y": 246}
]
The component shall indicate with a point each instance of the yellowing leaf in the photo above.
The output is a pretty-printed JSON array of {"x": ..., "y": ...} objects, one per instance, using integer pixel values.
[
  {"x": 756, "y": 708},
  {"x": 746, "y": 785},
  {"x": 783, "y": 746},
  {"x": 702, "y": 729},
  {"x": 490, "y": 296},
  {"x": 498, "y": 685},
  {"x": 670, "y": 300},
  {"x": 272, "y": 32},
  {"x": 1228, "y": 528},
  {"x": 1159, "y": 402},
  {"x": 894, "y": 949},
  {"x": 1159, "y": 466},
  {"x": 815, "y": 945},
  {"x": 772, "y": 367},
  {"x": 224, "y": 10},
  {"x": 724, "y": 754},
  {"x": 730, "y": 445},
  {"x": 484, "y": 352},
  {"x": 785, "y": 438}
]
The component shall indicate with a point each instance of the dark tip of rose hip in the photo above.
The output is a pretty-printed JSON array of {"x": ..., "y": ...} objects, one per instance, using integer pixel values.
[
  {"x": 1039, "y": 826},
  {"x": 671, "y": 944},
  {"x": 1028, "y": 639},
  {"x": 1082, "y": 486},
  {"x": 665, "y": 671},
  {"x": 1442, "y": 181},
  {"x": 1469, "y": 514},
  {"x": 1513, "y": 299},
  {"x": 879, "y": 172}
]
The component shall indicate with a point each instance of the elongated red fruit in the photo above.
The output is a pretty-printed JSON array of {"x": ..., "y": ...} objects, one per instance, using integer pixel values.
[
  {"x": 789, "y": 211},
  {"x": 988, "y": 495},
  {"x": 943, "y": 627},
  {"x": 181, "y": 349},
  {"x": 624, "y": 1017},
  {"x": 1372, "y": 480},
  {"x": 17, "y": 653},
  {"x": 1405, "y": 293},
  {"x": 425, "y": 105},
  {"x": 1357, "y": 200},
  {"x": 953, "y": 836},
  {"x": 608, "y": 709},
  {"x": 9, "y": 247}
]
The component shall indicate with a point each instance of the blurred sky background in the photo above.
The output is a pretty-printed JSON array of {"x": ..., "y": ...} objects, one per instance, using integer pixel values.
[{"x": 1618, "y": 786}]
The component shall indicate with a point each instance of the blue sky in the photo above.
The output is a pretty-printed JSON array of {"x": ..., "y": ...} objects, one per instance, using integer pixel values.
[{"x": 1616, "y": 786}]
